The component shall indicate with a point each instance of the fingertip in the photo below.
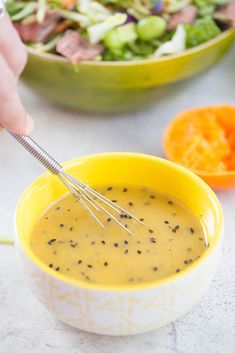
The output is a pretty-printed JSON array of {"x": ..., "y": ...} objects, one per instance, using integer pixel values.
[
  {"x": 29, "y": 126},
  {"x": 24, "y": 129}
]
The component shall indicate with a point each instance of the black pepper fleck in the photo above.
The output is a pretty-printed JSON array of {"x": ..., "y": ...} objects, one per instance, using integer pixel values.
[
  {"x": 155, "y": 268},
  {"x": 153, "y": 240},
  {"x": 123, "y": 215},
  {"x": 51, "y": 241},
  {"x": 73, "y": 245},
  {"x": 139, "y": 252},
  {"x": 125, "y": 190},
  {"x": 174, "y": 230},
  {"x": 150, "y": 231},
  {"x": 105, "y": 263},
  {"x": 115, "y": 244}
]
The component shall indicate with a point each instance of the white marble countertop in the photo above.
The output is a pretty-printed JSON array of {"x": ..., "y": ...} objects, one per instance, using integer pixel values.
[{"x": 25, "y": 326}]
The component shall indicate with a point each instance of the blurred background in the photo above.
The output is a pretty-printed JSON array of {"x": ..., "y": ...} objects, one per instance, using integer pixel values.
[{"x": 65, "y": 134}]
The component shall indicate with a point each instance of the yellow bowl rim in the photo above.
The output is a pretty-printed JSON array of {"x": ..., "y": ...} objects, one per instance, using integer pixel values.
[
  {"x": 187, "y": 52},
  {"x": 141, "y": 286}
]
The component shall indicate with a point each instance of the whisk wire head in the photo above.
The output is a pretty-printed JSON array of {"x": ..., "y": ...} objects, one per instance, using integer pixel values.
[
  {"x": 86, "y": 195},
  {"x": 88, "y": 198}
]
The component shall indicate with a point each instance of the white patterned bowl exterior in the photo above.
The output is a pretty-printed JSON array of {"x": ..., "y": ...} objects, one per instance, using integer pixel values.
[
  {"x": 118, "y": 312},
  {"x": 113, "y": 311}
]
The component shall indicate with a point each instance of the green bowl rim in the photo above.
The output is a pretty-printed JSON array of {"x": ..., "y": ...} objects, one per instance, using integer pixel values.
[{"x": 198, "y": 48}]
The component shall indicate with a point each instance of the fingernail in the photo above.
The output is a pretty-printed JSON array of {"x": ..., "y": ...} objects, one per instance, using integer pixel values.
[{"x": 29, "y": 124}]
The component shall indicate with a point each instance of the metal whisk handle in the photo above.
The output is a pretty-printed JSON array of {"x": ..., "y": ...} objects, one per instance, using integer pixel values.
[{"x": 39, "y": 153}]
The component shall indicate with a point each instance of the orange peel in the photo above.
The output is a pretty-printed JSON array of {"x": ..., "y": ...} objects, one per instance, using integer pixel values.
[{"x": 203, "y": 140}]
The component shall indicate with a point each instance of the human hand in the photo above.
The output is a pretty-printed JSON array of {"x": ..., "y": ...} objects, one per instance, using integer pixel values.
[{"x": 13, "y": 57}]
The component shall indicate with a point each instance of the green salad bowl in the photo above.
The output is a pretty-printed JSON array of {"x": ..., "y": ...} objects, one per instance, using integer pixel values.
[{"x": 112, "y": 87}]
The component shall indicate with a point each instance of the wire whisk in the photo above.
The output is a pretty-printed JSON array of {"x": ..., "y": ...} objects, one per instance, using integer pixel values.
[{"x": 92, "y": 201}]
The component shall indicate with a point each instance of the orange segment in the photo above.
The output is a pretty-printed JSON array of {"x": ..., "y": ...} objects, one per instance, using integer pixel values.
[{"x": 203, "y": 139}]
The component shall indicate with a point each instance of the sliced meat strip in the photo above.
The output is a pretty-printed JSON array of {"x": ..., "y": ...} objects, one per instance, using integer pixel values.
[
  {"x": 187, "y": 15},
  {"x": 35, "y": 32},
  {"x": 226, "y": 14},
  {"x": 75, "y": 48}
]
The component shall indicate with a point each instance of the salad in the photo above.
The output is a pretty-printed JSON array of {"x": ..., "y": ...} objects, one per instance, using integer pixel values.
[{"x": 119, "y": 30}]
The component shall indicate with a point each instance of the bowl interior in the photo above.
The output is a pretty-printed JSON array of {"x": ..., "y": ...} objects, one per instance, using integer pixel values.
[{"x": 123, "y": 168}]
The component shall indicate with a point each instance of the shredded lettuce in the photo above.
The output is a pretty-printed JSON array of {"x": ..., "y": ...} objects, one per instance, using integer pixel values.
[
  {"x": 95, "y": 11},
  {"x": 127, "y": 29},
  {"x": 83, "y": 20},
  {"x": 27, "y": 10},
  {"x": 48, "y": 47},
  {"x": 142, "y": 48},
  {"x": 175, "y": 45},
  {"x": 201, "y": 31},
  {"x": 41, "y": 12},
  {"x": 13, "y": 7},
  {"x": 97, "y": 32},
  {"x": 172, "y": 6},
  {"x": 120, "y": 36},
  {"x": 119, "y": 3},
  {"x": 207, "y": 7}
]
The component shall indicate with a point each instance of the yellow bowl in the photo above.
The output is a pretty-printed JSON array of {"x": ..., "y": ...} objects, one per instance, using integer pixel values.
[
  {"x": 117, "y": 86},
  {"x": 122, "y": 310}
]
